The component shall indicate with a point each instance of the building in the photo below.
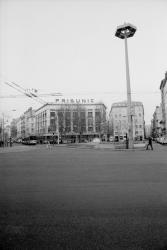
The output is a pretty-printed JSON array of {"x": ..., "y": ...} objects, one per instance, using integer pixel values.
[
  {"x": 118, "y": 120},
  {"x": 148, "y": 130},
  {"x": 4, "y": 130},
  {"x": 13, "y": 128},
  {"x": 75, "y": 120},
  {"x": 1, "y": 129},
  {"x": 29, "y": 116},
  {"x": 18, "y": 125},
  {"x": 157, "y": 124},
  {"x": 22, "y": 126},
  {"x": 163, "y": 89}
]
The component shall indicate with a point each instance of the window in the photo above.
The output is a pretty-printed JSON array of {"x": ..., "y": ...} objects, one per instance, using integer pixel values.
[
  {"x": 68, "y": 129},
  {"x": 98, "y": 128},
  {"x": 90, "y": 122},
  {"x": 90, "y": 114},
  {"x": 75, "y": 121},
  {"x": 83, "y": 121},
  {"x": 52, "y": 115},
  {"x": 90, "y": 128}
]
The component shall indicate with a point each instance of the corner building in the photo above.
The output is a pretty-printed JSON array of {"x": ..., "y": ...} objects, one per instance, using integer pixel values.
[
  {"x": 71, "y": 121},
  {"x": 118, "y": 120}
]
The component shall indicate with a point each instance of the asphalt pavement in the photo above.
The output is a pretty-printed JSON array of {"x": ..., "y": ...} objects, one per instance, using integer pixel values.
[{"x": 83, "y": 198}]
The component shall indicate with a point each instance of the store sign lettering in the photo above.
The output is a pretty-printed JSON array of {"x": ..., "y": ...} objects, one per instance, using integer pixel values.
[{"x": 75, "y": 101}]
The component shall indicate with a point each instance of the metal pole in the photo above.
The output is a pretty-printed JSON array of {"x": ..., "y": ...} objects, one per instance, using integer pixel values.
[
  {"x": 57, "y": 129},
  {"x": 129, "y": 105},
  {"x": 3, "y": 129}
]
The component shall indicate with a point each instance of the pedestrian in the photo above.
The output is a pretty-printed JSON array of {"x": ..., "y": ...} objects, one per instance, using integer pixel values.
[
  {"x": 10, "y": 142},
  {"x": 149, "y": 143}
]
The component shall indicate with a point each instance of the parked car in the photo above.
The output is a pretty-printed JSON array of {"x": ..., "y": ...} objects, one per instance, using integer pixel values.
[
  {"x": 96, "y": 140},
  {"x": 164, "y": 141},
  {"x": 158, "y": 139},
  {"x": 19, "y": 140},
  {"x": 111, "y": 139}
]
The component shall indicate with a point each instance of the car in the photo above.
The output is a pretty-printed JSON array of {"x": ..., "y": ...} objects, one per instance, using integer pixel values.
[
  {"x": 96, "y": 140},
  {"x": 164, "y": 141},
  {"x": 158, "y": 139},
  {"x": 111, "y": 139}
]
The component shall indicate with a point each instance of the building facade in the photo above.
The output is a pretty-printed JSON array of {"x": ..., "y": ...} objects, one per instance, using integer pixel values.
[
  {"x": 75, "y": 121},
  {"x": 163, "y": 89},
  {"x": 29, "y": 116},
  {"x": 22, "y": 118},
  {"x": 19, "y": 136},
  {"x": 118, "y": 120},
  {"x": 148, "y": 130},
  {"x": 13, "y": 128},
  {"x": 157, "y": 124}
]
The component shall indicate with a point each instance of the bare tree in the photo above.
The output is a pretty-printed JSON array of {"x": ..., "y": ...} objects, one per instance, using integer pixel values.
[{"x": 100, "y": 121}]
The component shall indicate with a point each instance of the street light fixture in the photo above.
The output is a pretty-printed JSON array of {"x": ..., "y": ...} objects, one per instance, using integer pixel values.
[{"x": 123, "y": 32}]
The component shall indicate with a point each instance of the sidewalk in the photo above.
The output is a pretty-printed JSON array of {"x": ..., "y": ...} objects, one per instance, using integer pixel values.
[
  {"x": 16, "y": 148},
  {"x": 98, "y": 146}
]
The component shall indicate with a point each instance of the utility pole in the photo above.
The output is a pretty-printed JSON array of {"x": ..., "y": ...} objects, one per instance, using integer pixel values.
[{"x": 57, "y": 129}]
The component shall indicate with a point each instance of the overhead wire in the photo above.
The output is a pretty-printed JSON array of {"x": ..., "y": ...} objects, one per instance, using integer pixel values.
[
  {"x": 29, "y": 94},
  {"x": 23, "y": 91},
  {"x": 78, "y": 93}
]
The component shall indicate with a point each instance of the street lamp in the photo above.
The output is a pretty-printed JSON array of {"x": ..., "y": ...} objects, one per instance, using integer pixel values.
[{"x": 125, "y": 31}]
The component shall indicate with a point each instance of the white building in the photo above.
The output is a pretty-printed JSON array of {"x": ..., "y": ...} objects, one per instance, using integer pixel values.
[
  {"x": 118, "y": 120},
  {"x": 71, "y": 119}
]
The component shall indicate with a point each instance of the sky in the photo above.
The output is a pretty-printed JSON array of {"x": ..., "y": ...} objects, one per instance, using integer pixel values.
[{"x": 70, "y": 47}]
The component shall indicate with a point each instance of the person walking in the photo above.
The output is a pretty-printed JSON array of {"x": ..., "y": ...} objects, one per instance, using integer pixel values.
[
  {"x": 149, "y": 143},
  {"x": 10, "y": 142}
]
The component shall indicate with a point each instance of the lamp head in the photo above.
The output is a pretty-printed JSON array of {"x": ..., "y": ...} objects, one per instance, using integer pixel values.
[{"x": 125, "y": 30}]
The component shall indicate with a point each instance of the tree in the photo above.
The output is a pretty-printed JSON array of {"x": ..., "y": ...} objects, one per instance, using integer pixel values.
[{"x": 100, "y": 121}]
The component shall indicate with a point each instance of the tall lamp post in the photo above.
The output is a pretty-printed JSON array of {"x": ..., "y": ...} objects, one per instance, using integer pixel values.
[{"x": 125, "y": 31}]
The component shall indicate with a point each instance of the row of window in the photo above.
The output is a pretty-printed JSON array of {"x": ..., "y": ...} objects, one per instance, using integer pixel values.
[{"x": 124, "y": 115}]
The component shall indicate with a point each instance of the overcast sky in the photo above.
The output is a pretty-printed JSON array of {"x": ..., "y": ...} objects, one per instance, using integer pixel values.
[{"x": 70, "y": 47}]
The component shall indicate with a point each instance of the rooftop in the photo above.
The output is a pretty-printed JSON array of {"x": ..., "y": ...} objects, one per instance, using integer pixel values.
[{"x": 124, "y": 104}]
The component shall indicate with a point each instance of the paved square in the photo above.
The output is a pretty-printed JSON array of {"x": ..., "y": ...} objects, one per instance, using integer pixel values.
[{"x": 74, "y": 198}]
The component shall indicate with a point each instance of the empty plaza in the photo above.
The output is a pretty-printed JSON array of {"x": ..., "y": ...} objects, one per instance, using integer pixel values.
[{"x": 83, "y": 198}]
